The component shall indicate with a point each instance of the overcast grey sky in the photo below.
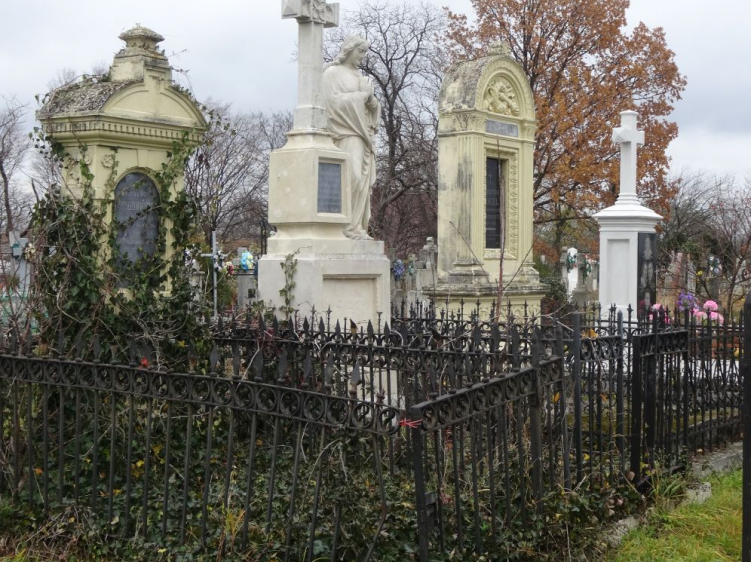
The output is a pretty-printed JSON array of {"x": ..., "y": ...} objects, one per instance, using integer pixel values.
[{"x": 240, "y": 51}]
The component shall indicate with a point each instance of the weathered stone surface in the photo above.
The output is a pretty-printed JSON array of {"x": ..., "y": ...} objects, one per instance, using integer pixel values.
[
  {"x": 80, "y": 98},
  {"x": 615, "y": 535},
  {"x": 353, "y": 117},
  {"x": 700, "y": 493},
  {"x": 487, "y": 119},
  {"x": 723, "y": 461}
]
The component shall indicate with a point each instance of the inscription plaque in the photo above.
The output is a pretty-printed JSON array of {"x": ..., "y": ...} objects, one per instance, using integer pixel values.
[
  {"x": 136, "y": 218},
  {"x": 647, "y": 281},
  {"x": 499, "y": 128},
  {"x": 329, "y": 188}
]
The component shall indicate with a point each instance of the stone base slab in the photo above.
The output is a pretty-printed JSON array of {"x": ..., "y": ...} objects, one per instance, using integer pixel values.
[
  {"x": 355, "y": 286},
  {"x": 315, "y": 245},
  {"x": 517, "y": 295}
]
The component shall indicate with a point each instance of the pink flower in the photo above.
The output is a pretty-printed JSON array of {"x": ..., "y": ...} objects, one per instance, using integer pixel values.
[
  {"x": 717, "y": 317},
  {"x": 711, "y": 306},
  {"x": 657, "y": 306},
  {"x": 700, "y": 315}
]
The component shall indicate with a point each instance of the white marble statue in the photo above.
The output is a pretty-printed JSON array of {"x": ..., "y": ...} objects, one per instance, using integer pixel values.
[{"x": 353, "y": 116}]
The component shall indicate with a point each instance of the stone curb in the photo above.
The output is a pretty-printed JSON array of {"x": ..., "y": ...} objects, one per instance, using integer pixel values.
[{"x": 720, "y": 462}]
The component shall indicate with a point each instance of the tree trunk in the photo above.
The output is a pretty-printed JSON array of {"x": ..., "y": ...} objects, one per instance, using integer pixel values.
[{"x": 6, "y": 201}]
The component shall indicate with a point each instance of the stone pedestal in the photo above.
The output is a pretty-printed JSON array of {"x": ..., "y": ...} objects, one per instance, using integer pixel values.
[
  {"x": 309, "y": 203},
  {"x": 620, "y": 226},
  {"x": 349, "y": 276},
  {"x": 305, "y": 199}
]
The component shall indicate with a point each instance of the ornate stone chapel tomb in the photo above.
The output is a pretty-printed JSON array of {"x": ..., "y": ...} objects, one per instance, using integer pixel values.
[
  {"x": 128, "y": 122},
  {"x": 485, "y": 158}
]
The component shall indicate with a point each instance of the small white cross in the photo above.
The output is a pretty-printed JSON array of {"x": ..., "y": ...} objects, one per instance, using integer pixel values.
[
  {"x": 629, "y": 137},
  {"x": 312, "y": 16}
]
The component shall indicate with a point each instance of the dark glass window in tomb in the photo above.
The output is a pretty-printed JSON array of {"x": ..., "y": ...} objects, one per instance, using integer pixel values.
[
  {"x": 493, "y": 189},
  {"x": 136, "y": 218}
]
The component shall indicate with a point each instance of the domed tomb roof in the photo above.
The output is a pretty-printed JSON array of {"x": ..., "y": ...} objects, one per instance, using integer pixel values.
[
  {"x": 80, "y": 98},
  {"x": 467, "y": 84},
  {"x": 138, "y": 88}
]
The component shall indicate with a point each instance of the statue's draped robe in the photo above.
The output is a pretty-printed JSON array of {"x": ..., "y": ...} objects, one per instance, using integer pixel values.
[{"x": 353, "y": 125}]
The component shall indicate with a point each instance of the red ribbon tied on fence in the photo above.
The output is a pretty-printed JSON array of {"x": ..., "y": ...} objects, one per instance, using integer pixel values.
[{"x": 414, "y": 424}]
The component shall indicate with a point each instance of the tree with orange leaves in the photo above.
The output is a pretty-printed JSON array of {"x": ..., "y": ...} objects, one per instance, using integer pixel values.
[{"x": 585, "y": 67}]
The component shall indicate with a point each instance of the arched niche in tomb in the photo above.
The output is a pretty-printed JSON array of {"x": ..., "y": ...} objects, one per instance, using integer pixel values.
[
  {"x": 486, "y": 136},
  {"x": 136, "y": 216}
]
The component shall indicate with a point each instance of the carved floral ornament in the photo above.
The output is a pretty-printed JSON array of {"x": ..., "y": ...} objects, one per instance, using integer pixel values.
[
  {"x": 314, "y": 10},
  {"x": 500, "y": 98},
  {"x": 318, "y": 10}
]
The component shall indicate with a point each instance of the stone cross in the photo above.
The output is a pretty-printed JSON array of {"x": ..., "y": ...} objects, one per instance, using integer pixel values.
[
  {"x": 312, "y": 16},
  {"x": 629, "y": 138}
]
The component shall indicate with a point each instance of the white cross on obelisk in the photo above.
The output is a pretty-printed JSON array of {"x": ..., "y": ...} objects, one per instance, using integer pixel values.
[
  {"x": 622, "y": 227},
  {"x": 629, "y": 138},
  {"x": 312, "y": 16}
]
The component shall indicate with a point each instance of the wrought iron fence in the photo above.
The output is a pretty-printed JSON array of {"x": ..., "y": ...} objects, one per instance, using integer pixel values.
[{"x": 453, "y": 430}]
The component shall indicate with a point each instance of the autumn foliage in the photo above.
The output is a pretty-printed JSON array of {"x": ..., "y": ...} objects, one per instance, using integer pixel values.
[{"x": 585, "y": 67}]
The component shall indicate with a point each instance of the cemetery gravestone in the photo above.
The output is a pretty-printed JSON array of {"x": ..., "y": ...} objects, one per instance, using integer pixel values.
[
  {"x": 311, "y": 200},
  {"x": 570, "y": 270},
  {"x": 647, "y": 287},
  {"x": 621, "y": 228}
]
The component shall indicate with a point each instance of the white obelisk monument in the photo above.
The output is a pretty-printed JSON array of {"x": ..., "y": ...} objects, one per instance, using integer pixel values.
[
  {"x": 310, "y": 202},
  {"x": 621, "y": 225}
]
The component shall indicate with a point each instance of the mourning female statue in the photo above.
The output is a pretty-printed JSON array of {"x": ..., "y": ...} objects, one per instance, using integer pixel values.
[{"x": 353, "y": 114}]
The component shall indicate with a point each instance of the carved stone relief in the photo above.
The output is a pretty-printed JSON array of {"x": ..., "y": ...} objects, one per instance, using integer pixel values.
[{"x": 500, "y": 98}]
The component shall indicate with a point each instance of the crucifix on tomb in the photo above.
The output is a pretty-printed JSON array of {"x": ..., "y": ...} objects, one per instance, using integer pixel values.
[
  {"x": 312, "y": 17},
  {"x": 629, "y": 137},
  {"x": 627, "y": 234}
]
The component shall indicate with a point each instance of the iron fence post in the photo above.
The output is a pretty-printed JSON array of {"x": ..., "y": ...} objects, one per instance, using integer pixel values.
[
  {"x": 419, "y": 474},
  {"x": 619, "y": 415},
  {"x": 650, "y": 400},
  {"x": 535, "y": 414},
  {"x": 746, "y": 374},
  {"x": 562, "y": 399},
  {"x": 577, "y": 372},
  {"x": 636, "y": 400}
]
